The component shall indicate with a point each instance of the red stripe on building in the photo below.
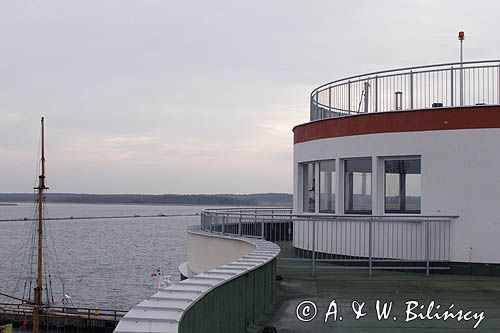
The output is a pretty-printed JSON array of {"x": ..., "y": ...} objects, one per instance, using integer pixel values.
[{"x": 401, "y": 121}]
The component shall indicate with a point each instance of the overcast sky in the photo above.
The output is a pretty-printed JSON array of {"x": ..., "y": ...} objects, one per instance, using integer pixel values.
[{"x": 197, "y": 97}]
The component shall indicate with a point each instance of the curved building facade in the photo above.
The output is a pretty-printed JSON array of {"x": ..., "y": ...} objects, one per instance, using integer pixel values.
[{"x": 393, "y": 161}]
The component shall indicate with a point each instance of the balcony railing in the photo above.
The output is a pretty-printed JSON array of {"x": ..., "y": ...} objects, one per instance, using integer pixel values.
[
  {"x": 339, "y": 241},
  {"x": 443, "y": 85}
]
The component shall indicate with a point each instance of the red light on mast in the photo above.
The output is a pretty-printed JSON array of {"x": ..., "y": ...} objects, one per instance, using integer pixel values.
[{"x": 461, "y": 35}]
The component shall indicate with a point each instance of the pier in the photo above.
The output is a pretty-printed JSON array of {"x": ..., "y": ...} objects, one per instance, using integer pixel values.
[{"x": 77, "y": 319}]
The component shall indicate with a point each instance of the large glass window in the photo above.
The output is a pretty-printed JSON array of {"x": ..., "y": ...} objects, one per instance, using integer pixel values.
[
  {"x": 327, "y": 186},
  {"x": 402, "y": 186},
  {"x": 358, "y": 185},
  {"x": 309, "y": 187}
]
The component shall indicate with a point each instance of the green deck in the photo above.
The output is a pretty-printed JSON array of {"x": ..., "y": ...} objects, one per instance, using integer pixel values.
[{"x": 476, "y": 293}]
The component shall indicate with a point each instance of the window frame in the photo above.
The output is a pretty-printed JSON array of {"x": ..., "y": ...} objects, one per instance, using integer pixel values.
[
  {"x": 384, "y": 192},
  {"x": 344, "y": 184}
]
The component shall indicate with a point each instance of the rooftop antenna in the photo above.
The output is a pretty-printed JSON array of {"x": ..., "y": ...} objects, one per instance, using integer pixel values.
[{"x": 461, "y": 37}]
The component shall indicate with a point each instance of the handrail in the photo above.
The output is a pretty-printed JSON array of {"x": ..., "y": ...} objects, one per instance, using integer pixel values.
[
  {"x": 334, "y": 238},
  {"x": 409, "y": 88},
  {"x": 323, "y": 216},
  {"x": 405, "y": 69}
]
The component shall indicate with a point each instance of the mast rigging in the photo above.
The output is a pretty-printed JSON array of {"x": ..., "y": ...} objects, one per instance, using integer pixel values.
[{"x": 39, "y": 282}]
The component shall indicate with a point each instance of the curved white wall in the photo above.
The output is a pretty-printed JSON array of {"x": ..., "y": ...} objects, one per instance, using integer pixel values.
[
  {"x": 206, "y": 252},
  {"x": 167, "y": 309},
  {"x": 460, "y": 175}
]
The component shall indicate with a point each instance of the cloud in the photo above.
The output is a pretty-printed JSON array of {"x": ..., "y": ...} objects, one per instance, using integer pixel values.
[{"x": 197, "y": 96}]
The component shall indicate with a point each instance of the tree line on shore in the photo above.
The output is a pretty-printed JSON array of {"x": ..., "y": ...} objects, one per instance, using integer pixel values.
[{"x": 256, "y": 199}]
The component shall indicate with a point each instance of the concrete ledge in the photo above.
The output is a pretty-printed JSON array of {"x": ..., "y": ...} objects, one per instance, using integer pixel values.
[{"x": 166, "y": 309}]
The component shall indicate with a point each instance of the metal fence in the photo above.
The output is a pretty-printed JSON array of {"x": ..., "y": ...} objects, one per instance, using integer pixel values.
[
  {"x": 339, "y": 241},
  {"x": 442, "y": 85}
]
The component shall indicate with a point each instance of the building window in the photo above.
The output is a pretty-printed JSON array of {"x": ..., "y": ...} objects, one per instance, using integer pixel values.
[
  {"x": 327, "y": 186},
  {"x": 358, "y": 186},
  {"x": 402, "y": 186},
  {"x": 309, "y": 187}
]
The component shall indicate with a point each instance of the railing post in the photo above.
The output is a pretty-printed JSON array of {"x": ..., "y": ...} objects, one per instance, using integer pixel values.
[
  {"x": 461, "y": 84},
  {"x": 498, "y": 90},
  {"x": 316, "y": 106},
  {"x": 375, "y": 94},
  {"x": 271, "y": 227},
  {"x": 411, "y": 90},
  {"x": 314, "y": 248},
  {"x": 452, "y": 86},
  {"x": 427, "y": 247},
  {"x": 211, "y": 222},
  {"x": 240, "y": 225},
  {"x": 255, "y": 222},
  {"x": 370, "y": 263},
  {"x": 349, "y": 96},
  {"x": 222, "y": 218},
  {"x": 330, "y": 100},
  {"x": 262, "y": 235}
]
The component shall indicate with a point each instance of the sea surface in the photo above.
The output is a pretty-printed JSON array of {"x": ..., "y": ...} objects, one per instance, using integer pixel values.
[{"x": 104, "y": 263}]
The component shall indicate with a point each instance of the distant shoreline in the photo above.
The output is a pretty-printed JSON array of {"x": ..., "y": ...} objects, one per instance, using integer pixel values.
[
  {"x": 149, "y": 204},
  {"x": 258, "y": 199}
]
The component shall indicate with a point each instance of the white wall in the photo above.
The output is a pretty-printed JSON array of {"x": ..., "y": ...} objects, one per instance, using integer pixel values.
[
  {"x": 208, "y": 252},
  {"x": 460, "y": 176}
]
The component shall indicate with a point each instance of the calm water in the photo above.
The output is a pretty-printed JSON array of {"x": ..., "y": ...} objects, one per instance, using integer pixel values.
[{"x": 105, "y": 263}]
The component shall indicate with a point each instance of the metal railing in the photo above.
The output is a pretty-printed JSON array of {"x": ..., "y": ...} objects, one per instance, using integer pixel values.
[
  {"x": 442, "y": 85},
  {"x": 61, "y": 311},
  {"x": 341, "y": 241}
]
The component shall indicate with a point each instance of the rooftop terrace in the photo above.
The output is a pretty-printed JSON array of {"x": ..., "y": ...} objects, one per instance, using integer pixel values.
[
  {"x": 476, "y": 293},
  {"x": 320, "y": 278}
]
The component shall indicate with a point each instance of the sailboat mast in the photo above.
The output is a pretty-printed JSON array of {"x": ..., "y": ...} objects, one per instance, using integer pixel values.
[{"x": 41, "y": 187}]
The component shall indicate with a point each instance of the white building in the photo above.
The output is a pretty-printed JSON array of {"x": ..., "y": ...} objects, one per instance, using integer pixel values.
[{"x": 420, "y": 142}]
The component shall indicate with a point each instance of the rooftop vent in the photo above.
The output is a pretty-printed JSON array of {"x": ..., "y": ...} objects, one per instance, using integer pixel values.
[{"x": 398, "y": 100}]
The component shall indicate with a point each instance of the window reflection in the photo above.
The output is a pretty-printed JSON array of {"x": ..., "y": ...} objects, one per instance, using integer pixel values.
[
  {"x": 402, "y": 186},
  {"x": 357, "y": 185},
  {"x": 327, "y": 183},
  {"x": 309, "y": 191}
]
